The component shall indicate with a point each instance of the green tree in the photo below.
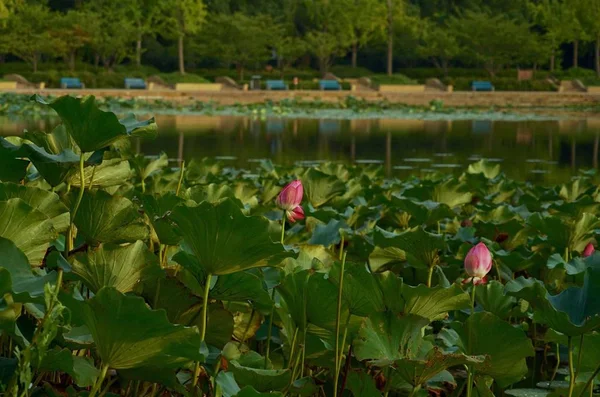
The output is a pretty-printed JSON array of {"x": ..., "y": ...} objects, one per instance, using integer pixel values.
[
  {"x": 396, "y": 17},
  {"x": 111, "y": 31},
  {"x": 144, "y": 14},
  {"x": 27, "y": 34},
  {"x": 438, "y": 44},
  {"x": 367, "y": 21},
  {"x": 71, "y": 33},
  {"x": 589, "y": 17},
  {"x": 181, "y": 19},
  {"x": 238, "y": 39},
  {"x": 509, "y": 42},
  {"x": 289, "y": 48},
  {"x": 557, "y": 19}
]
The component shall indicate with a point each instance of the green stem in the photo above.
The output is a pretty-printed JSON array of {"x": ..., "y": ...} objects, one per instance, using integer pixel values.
[
  {"x": 566, "y": 254},
  {"x": 470, "y": 374},
  {"x": 293, "y": 347},
  {"x": 342, "y": 247},
  {"x": 579, "y": 356},
  {"x": 590, "y": 382},
  {"x": 180, "y": 178},
  {"x": 69, "y": 241},
  {"x": 337, "y": 328},
  {"x": 270, "y": 330},
  {"x": 99, "y": 382},
  {"x": 283, "y": 228},
  {"x": 571, "y": 368},
  {"x": 430, "y": 276},
  {"x": 204, "y": 320},
  {"x": 557, "y": 362}
]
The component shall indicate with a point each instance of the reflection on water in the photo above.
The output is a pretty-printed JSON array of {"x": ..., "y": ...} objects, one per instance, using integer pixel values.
[{"x": 530, "y": 150}]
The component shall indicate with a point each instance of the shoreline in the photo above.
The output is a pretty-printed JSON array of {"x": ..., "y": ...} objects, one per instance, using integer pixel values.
[{"x": 502, "y": 99}]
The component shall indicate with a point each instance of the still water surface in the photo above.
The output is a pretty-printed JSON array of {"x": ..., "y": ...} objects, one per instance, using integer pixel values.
[{"x": 538, "y": 151}]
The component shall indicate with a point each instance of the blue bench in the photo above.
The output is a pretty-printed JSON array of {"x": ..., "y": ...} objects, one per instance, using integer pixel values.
[
  {"x": 71, "y": 82},
  {"x": 329, "y": 85},
  {"x": 482, "y": 86},
  {"x": 132, "y": 83},
  {"x": 276, "y": 85}
]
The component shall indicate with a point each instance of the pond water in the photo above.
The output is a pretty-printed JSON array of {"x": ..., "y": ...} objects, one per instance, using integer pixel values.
[{"x": 534, "y": 150}]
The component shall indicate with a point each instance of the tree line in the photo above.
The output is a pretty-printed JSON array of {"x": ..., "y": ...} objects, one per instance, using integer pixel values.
[{"x": 493, "y": 34}]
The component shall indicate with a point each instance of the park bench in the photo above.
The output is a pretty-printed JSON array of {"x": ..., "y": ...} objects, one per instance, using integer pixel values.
[
  {"x": 71, "y": 82},
  {"x": 482, "y": 86},
  {"x": 276, "y": 85},
  {"x": 329, "y": 85},
  {"x": 133, "y": 83}
]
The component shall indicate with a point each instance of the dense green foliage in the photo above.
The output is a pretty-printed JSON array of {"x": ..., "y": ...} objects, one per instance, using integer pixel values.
[
  {"x": 186, "y": 35},
  {"x": 135, "y": 275}
]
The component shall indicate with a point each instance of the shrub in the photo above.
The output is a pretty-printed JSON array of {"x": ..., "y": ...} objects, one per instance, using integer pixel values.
[
  {"x": 346, "y": 71},
  {"x": 175, "y": 77},
  {"x": 575, "y": 73},
  {"x": 394, "y": 79},
  {"x": 502, "y": 84}
]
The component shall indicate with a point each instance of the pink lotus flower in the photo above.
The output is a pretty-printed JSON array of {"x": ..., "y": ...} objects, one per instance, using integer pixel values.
[
  {"x": 589, "y": 250},
  {"x": 478, "y": 264},
  {"x": 289, "y": 200}
]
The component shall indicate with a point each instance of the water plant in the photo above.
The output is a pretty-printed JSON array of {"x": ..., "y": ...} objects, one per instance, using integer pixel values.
[{"x": 135, "y": 276}]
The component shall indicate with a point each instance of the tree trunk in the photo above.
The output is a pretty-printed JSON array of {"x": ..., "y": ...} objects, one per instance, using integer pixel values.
[
  {"x": 354, "y": 54},
  {"x": 96, "y": 60},
  {"x": 576, "y": 53},
  {"x": 552, "y": 61},
  {"x": 597, "y": 55},
  {"x": 138, "y": 51},
  {"x": 181, "y": 60},
  {"x": 35, "y": 62},
  {"x": 390, "y": 40},
  {"x": 445, "y": 67}
]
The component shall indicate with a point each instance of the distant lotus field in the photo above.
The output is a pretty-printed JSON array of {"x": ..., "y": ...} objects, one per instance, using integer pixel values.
[{"x": 130, "y": 275}]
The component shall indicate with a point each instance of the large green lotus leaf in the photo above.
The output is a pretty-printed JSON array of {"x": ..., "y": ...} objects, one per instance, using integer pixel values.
[
  {"x": 212, "y": 193},
  {"x": 386, "y": 337},
  {"x": 421, "y": 247},
  {"x": 183, "y": 307},
  {"x": 360, "y": 290},
  {"x": 426, "y": 212},
  {"x": 28, "y": 228},
  {"x": 328, "y": 234},
  {"x": 111, "y": 172},
  {"x": 226, "y": 241},
  {"x": 512, "y": 232},
  {"x": 54, "y": 142},
  {"x": 263, "y": 380},
  {"x": 12, "y": 168},
  {"x": 418, "y": 371},
  {"x": 575, "y": 209},
  {"x": 53, "y": 167},
  {"x": 450, "y": 192},
  {"x": 320, "y": 188},
  {"x": 103, "y": 218},
  {"x": 433, "y": 303},
  {"x": 81, "y": 369},
  {"x": 492, "y": 298},
  {"x": 91, "y": 128},
  {"x": 117, "y": 266},
  {"x": 162, "y": 376},
  {"x": 44, "y": 201},
  {"x": 572, "y": 312},
  {"x": 16, "y": 276},
  {"x": 565, "y": 233},
  {"x": 505, "y": 347},
  {"x": 571, "y": 191},
  {"x": 144, "y": 129},
  {"x": 157, "y": 208},
  {"x": 575, "y": 266},
  {"x": 488, "y": 169},
  {"x": 242, "y": 287},
  {"x": 8, "y": 366},
  {"x": 386, "y": 256},
  {"x": 294, "y": 290},
  {"x": 127, "y": 334},
  {"x": 361, "y": 384},
  {"x": 148, "y": 166},
  {"x": 391, "y": 287}
]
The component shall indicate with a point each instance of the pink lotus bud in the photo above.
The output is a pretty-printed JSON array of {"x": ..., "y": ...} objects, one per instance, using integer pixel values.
[
  {"x": 589, "y": 250},
  {"x": 289, "y": 200},
  {"x": 478, "y": 264}
]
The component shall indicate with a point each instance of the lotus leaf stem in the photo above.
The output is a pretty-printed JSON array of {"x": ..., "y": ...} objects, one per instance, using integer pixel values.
[
  {"x": 571, "y": 368},
  {"x": 337, "y": 328},
  {"x": 270, "y": 329},
  {"x": 180, "y": 178},
  {"x": 470, "y": 368},
  {"x": 283, "y": 228},
  {"x": 342, "y": 247},
  {"x": 590, "y": 382},
  {"x": 69, "y": 240},
  {"x": 430, "y": 275},
  {"x": 99, "y": 382},
  {"x": 579, "y": 354},
  {"x": 204, "y": 319},
  {"x": 557, "y": 362}
]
